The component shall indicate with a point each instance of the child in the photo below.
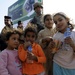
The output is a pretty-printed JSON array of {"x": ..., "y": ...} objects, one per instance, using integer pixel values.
[
  {"x": 64, "y": 59},
  {"x": 37, "y": 57},
  {"x": 9, "y": 61},
  {"x": 49, "y": 30},
  {"x": 44, "y": 40}
]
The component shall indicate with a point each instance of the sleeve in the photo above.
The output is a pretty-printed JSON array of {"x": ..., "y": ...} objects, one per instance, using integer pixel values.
[
  {"x": 22, "y": 53},
  {"x": 3, "y": 64},
  {"x": 40, "y": 36},
  {"x": 41, "y": 56}
]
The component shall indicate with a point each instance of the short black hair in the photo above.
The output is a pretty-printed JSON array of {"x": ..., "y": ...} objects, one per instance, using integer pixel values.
[
  {"x": 19, "y": 22},
  {"x": 7, "y": 17}
]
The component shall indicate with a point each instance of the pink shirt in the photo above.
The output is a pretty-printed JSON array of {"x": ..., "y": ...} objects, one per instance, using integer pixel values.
[{"x": 9, "y": 63}]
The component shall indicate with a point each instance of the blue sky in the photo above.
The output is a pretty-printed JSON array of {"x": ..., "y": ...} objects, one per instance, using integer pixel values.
[{"x": 49, "y": 7}]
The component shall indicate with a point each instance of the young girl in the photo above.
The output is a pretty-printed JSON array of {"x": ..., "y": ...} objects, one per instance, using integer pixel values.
[
  {"x": 64, "y": 59},
  {"x": 49, "y": 30},
  {"x": 35, "y": 54},
  {"x": 44, "y": 40},
  {"x": 9, "y": 61}
]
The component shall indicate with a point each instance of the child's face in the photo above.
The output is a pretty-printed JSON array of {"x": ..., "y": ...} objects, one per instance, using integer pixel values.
[
  {"x": 13, "y": 41},
  {"x": 30, "y": 36},
  {"x": 61, "y": 23},
  {"x": 49, "y": 22}
]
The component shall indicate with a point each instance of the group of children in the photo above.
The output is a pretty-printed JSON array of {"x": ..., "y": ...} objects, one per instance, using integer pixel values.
[{"x": 39, "y": 59}]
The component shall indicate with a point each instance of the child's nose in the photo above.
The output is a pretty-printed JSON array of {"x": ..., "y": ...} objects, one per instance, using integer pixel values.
[{"x": 16, "y": 40}]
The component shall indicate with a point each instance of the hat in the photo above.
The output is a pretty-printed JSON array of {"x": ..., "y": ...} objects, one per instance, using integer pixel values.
[
  {"x": 7, "y": 17},
  {"x": 19, "y": 22},
  {"x": 37, "y": 5}
]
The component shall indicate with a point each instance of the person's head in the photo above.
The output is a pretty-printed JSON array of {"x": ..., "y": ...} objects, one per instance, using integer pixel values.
[
  {"x": 38, "y": 7},
  {"x": 30, "y": 24},
  {"x": 30, "y": 34},
  {"x": 12, "y": 39},
  {"x": 48, "y": 21},
  {"x": 62, "y": 22},
  {"x": 20, "y": 24},
  {"x": 7, "y": 20}
]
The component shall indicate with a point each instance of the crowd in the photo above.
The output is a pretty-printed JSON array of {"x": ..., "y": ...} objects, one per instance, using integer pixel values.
[{"x": 40, "y": 48}]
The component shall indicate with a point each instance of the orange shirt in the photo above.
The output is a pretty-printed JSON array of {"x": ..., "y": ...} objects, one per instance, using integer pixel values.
[{"x": 35, "y": 67}]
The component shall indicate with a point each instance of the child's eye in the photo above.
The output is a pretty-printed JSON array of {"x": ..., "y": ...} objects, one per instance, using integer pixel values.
[
  {"x": 49, "y": 19},
  {"x": 14, "y": 38},
  {"x": 60, "y": 19}
]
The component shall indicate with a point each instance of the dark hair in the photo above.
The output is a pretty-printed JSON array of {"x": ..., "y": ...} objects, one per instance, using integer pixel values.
[
  {"x": 3, "y": 44},
  {"x": 19, "y": 22},
  {"x": 9, "y": 34},
  {"x": 7, "y": 17},
  {"x": 30, "y": 29},
  {"x": 64, "y": 15},
  {"x": 46, "y": 17}
]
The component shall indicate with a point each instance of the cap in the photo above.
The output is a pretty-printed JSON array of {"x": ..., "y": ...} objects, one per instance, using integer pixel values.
[
  {"x": 37, "y": 5},
  {"x": 19, "y": 22},
  {"x": 7, "y": 17}
]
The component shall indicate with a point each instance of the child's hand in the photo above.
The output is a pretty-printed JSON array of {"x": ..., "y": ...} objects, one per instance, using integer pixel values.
[
  {"x": 69, "y": 41},
  {"x": 26, "y": 44},
  {"x": 51, "y": 45},
  {"x": 54, "y": 46},
  {"x": 46, "y": 41},
  {"x": 31, "y": 56}
]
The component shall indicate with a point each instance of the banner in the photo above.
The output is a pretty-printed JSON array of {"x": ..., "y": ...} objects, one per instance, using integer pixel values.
[{"x": 22, "y": 10}]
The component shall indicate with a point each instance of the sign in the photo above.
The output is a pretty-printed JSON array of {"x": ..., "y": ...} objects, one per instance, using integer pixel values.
[{"x": 22, "y": 10}]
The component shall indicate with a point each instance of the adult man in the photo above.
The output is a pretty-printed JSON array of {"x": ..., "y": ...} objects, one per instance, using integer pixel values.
[
  {"x": 8, "y": 26},
  {"x": 20, "y": 30},
  {"x": 20, "y": 27},
  {"x": 38, "y": 17}
]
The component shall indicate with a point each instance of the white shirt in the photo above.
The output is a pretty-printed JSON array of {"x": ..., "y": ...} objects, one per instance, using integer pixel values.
[{"x": 65, "y": 58}]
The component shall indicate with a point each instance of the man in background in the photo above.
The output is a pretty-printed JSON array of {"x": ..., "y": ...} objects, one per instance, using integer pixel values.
[
  {"x": 20, "y": 27},
  {"x": 38, "y": 17},
  {"x": 20, "y": 30},
  {"x": 8, "y": 26}
]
